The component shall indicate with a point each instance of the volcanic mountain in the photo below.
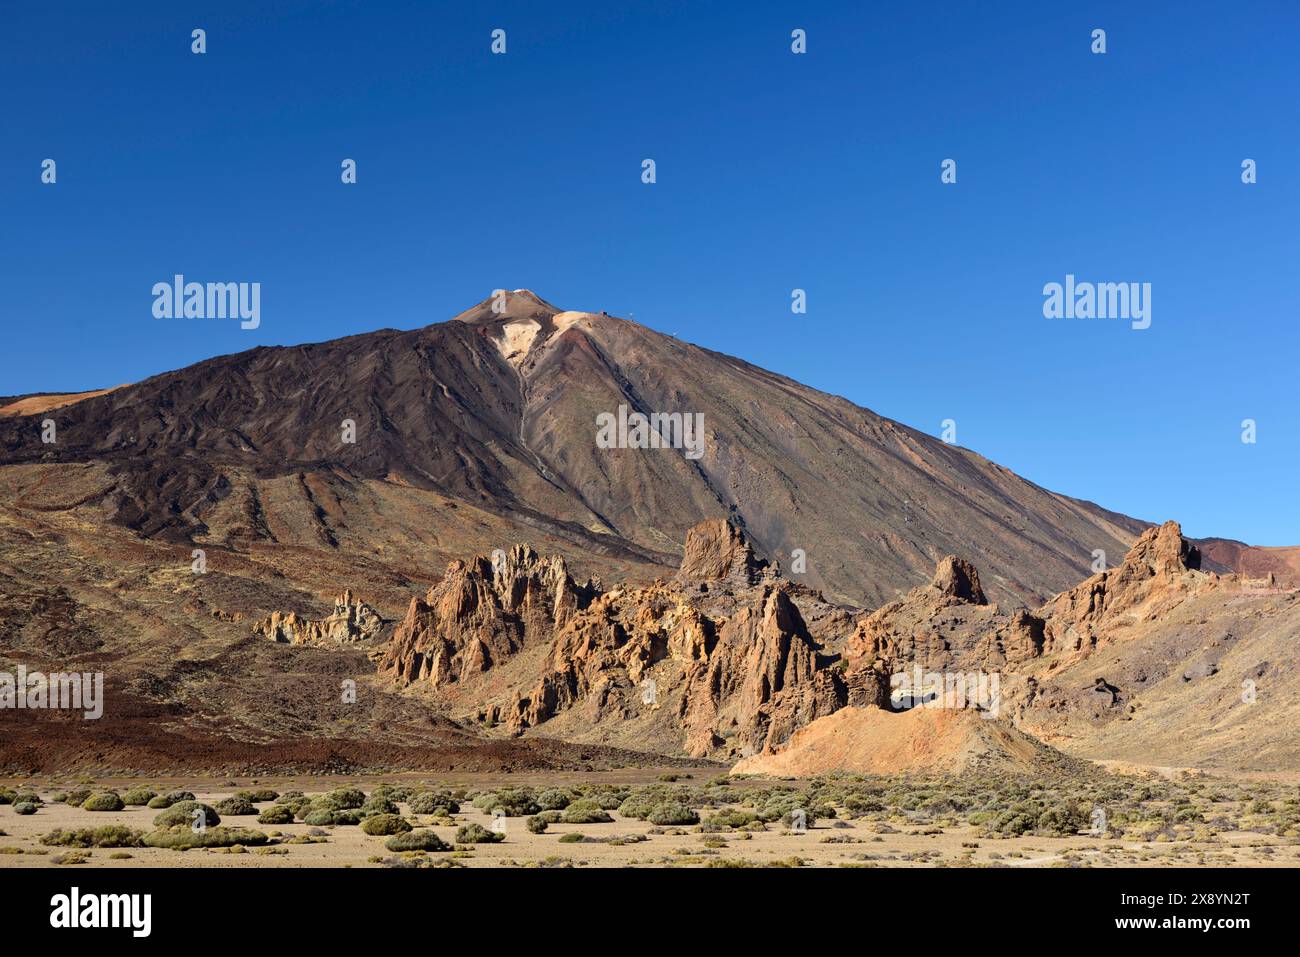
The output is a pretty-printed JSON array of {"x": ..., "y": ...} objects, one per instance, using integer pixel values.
[
  {"x": 411, "y": 448},
  {"x": 329, "y": 556}
]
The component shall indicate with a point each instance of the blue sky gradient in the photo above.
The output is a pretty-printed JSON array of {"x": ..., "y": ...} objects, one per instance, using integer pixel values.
[{"x": 775, "y": 171}]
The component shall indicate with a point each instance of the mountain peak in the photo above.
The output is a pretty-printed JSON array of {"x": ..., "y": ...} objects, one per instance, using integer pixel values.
[{"x": 506, "y": 305}]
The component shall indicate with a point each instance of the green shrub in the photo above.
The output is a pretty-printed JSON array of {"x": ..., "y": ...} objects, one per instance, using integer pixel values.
[
  {"x": 104, "y": 801},
  {"x": 554, "y": 799},
  {"x": 571, "y": 838},
  {"x": 7, "y": 796},
  {"x": 137, "y": 797},
  {"x": 31, "y": 797},
  {"x": 110, "y": 835},
  {"x": 585, "y": 811},
  {"x": 75, "y": 798},
  {"x": 476, "y": 833},
  {"x": 672, "y": 812},
  {"x": 513, "y": 802},
  {"x": 421, "y": 840},
  {"x": 638, "y": 807},
  {"x": 182, "y": 812},
  {"x": 378, "y": 805},
  {"x": 1062, "y": 820},
  {"x": 236, "y": 807},
  {"x": 345, "y": 798},
  {"x": 731, "y": 817},
  {"x": 25, "y": 807},
  {"x": 536, "y": 825},
  {"x": 379, "y": 824},
  {"x": 276, "y": 814},
  {"x": 433, "y": 802},
  {"x": 183, "y": 838},
  {"x": 167, "y": 800},
  {"x": 258, "y": 795}
]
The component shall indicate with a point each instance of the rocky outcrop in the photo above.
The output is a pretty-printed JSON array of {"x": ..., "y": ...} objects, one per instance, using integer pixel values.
[
  {"x": 1159, "y": 572},
  {"x": 946, "y": 625},
  {"x": 352, "y": 620},
  {"x": 764, "y": 679},
  {"x": 957, "y": 579},
  {"x": 717, "y": 551},
  {"x": 481, "y": 613},
  {"x": 733, "y": 666}
]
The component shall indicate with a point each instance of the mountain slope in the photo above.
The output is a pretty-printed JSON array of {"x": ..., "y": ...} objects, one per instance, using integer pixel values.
[{"x": 498, "y": 408}]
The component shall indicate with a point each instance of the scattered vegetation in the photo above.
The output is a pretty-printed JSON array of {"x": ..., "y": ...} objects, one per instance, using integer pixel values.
[{"x": 110, "y": 835}]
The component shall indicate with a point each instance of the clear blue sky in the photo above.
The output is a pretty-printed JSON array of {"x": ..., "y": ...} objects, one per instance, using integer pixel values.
[{"x": 775, "y": 171}]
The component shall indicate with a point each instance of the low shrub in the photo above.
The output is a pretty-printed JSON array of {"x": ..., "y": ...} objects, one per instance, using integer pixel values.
[
  {"x": 183, "y": 812},
  {"x": 345, "y": 798},
  {"x": 513, "y": 802},
  {"x": 110, "y": 835},
  {"x": 258, "y": 795},
  {"x": 378, "y": 804},
  {"x": 138, "y": 797},
  {"x": 536, "y": 825},
  {"x": 75, "y": 798},
  {"x": 672, "y": 812},
  {"x": 434, "y": 802},
  {"x": 167, "y": 800},
  {"x": 554, "y": 799},
  {"x": 476, "y": 833},
  {"x": 26, "y": 807},
  {"x": 104, "y": 801},
  {"x": 236, "y": 807},
  {"x": 380, "y": 824},
  {"x": 183, "y": 838},
  {"x": 276, "y": 814},
  {"x": 421, "y": 840},
  {"x": 731, "y": 817},
  {"x": 585, "y": 811}
]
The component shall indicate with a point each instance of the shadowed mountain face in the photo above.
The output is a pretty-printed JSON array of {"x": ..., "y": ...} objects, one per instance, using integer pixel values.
[{"x": 498, "y": 409}]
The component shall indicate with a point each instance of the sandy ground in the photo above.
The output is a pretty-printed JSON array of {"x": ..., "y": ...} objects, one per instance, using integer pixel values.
[{"x": 828, "y": 844}]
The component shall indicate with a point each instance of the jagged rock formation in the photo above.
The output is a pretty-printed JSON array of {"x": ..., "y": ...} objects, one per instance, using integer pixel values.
[
  {"x": 733, "y": 665},
  {"x": 946, "y": 625},
  {"x": 1159, "y": 572},
  {"x": 352, "y": 620},
  {"x": 718, "y": 551},
  {"x": 481, "y": 613}
]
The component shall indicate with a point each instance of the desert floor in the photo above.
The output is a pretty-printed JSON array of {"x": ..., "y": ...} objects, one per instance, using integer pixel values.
[{"x": 891, "y": 840}]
